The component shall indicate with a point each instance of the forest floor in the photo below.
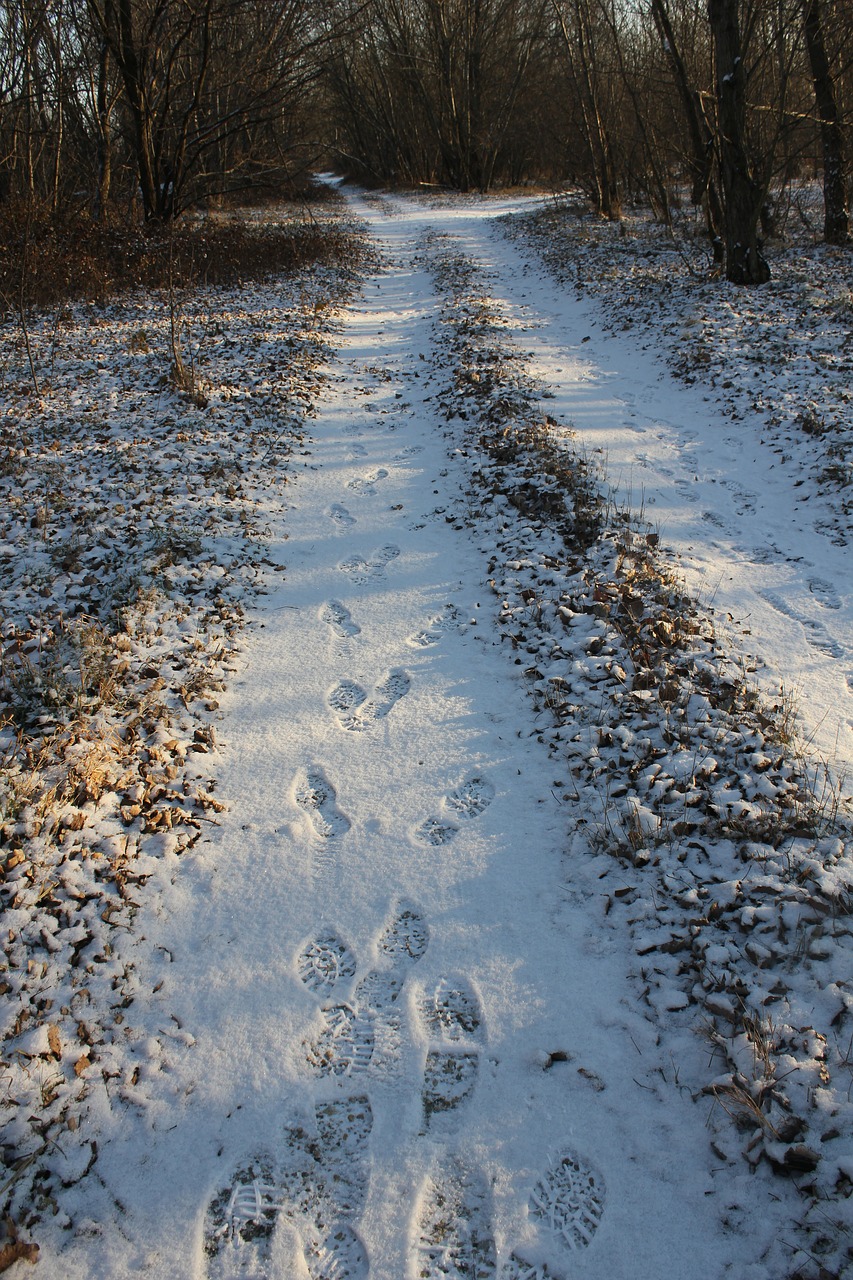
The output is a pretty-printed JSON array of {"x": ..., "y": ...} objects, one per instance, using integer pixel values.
[{"x": 425, "y": 826}]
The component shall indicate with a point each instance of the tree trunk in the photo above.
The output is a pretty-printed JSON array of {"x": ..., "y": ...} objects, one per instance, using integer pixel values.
[
  {"x": 142, "y": 123},
  {"x": 836, "y": 221},
  {"x": 700, "y": 162},
  {"x": 104, "y": 142},
  {"x": 745, "y": 263},
  {"x": 580, "y": 49}
]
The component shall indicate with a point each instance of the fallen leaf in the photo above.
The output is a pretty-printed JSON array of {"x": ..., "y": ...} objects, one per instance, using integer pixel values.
[{"x": 17, "y": 1251}]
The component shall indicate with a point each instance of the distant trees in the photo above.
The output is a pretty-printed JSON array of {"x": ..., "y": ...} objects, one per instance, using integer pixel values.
[
  {"x": 427, "y": 90},
  {"x": 720, "y": 102}
]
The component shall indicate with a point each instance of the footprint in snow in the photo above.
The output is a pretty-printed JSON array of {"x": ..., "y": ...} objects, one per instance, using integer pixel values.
[
  {"x": 316, "y": 1182},
  {"x": 339, "y": 618},
  {"x": 405, "y": 938},
  {"x": 825, "y": 593},
  {"x": 452, "y": 1014},
  {"x": 344, "y": 1045},
  {"x": 686, "y": 488},
  {"x": 341, "y": 516},
  {"x": 436, "y": 832},
  {"x": 366, "y": 485},
  {"x": 471, "y": 798},
  {"x": 324, "y": 962},
  {"x": 517, "y": 1269},
  {"x": 569, "y": 1201},
  {"x": 764, "y": 555},
  {"x": 237, "y": 1235},
  {"x": 346, "y": 1041},
  {"x": 411, "y": 451},
  {"x": 817, "y": 637},
  {"x": 450, "y": 1078},
  {"x": 449, "y": 619},
  {"x": 355, "y": 712},
  {"x": 335, "y": 1253},
  {"x": 378, "y": 992},
  {"x": 323, "y": 1163},
  {"x": 317, "y": 799},
  {"x": 452, "y": 1011},
  {"x": 453, "y": 1236},
  {"x": 744, "y": 500},
  {"x": 400, "y": 946},
  {"x": 361, "y": 570}
]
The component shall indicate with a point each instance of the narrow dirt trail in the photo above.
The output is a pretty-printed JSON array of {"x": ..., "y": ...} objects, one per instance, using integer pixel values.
[{"x": 417, "y": 1049}]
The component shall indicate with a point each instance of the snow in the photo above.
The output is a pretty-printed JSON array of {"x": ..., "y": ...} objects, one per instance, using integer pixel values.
[{"x": 426, "y": 997}]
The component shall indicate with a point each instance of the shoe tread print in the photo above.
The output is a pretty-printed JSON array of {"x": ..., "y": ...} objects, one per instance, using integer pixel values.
[
  {"x": 517, "y": 1269},
  {"x": 362, "y": 571},
  {"x": 239, "y": 1223},
  {"x": 569, "y": 1199},
  {"x": 404, "y": 939},
  {"x": 344, "y": 1047},
  {"x": 331, "y": 1248},
  {"x": 472, "y": 797},
  {"x": 339, "y": 618},
  {"x": 346, "y": 697},
  {"x": 452, "y": 1010},
  {"x": 436, "y": 628},
  {"x": 324, "y": 962},
  {"x": 317, "y": 798},
  {"x": 337, "y": 1181},
  {"x": 378, "y": 991},
  {"x": 349, "y": 701},
  {"x": 449, "y": 1080},
  {"x": 335, "y": 1253},
  {"x": 454, "y": 1239},
  {"x": 343, "y": 1128},
  {"x": 436, "y": 832}
]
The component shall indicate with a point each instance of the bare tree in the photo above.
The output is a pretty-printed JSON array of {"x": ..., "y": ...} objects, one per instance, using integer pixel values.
[
  {"x": 743, "y": 198},
  {"x": 577, "y": 26},
  {"x": 202, "y": 81},
  {"x": 836, "y": 224},
  {"x": 700, "y": 158}
]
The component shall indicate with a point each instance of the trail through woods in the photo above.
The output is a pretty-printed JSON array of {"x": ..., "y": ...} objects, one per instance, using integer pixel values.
[{"x": 410, "y": 1017}]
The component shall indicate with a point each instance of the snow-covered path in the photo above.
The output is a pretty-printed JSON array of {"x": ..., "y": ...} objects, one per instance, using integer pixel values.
[
  {"x": 417, "y": 1048},
  {"x": 750, "y": 541}
]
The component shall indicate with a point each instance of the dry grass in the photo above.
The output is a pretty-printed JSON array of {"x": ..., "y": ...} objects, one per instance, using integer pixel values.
[{"x": 57, "y": 261}]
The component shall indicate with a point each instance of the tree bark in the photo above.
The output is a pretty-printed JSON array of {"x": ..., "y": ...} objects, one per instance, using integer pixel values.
[
  {"x": 836, "y": 220},
  {"x": 134, "y": 88},
  {"x": 104, "y": 140},
  {"x": 745, "y": 263},
  {"x": 700, "y": 162}
]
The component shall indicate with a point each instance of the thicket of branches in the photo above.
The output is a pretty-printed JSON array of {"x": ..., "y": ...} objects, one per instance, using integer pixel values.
[{"x": 141, "y": 108}]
